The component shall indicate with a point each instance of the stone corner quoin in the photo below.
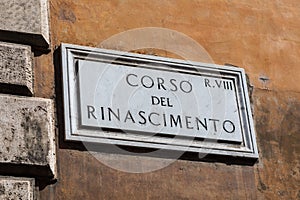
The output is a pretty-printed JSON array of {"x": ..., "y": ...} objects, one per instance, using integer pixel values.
[
  {"x": 27, "y": 25},
  {"x": 17, "y": 188},
  {"x": 16, "y": 69},
  {"x": 27, "y": 135}
]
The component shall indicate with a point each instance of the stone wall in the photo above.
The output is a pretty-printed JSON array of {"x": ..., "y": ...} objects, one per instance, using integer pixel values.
[{"x": 260, "y": 36}]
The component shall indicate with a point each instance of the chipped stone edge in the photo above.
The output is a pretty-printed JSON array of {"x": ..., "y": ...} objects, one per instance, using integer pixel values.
[
  {"x": 51, "y": 136},
  {"x": 45, "y": 20},
  {"x": 29, "y": 59}
]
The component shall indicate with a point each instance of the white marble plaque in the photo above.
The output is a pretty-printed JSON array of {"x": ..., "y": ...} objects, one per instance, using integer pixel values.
[{"x": 144, "y": 101}]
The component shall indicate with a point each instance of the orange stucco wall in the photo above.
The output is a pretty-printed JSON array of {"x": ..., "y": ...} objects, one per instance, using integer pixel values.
[{"x": 261, "y": 36}]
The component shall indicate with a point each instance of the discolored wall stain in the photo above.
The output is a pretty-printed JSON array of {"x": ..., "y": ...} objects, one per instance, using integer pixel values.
[{"x": 66, "y": 14}]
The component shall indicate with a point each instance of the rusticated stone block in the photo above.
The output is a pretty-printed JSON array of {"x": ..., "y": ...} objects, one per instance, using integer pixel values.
[
  {"x": 27, "y": 136},
  {"x": 16, "y": 188},
  {"x": 25, "y": 21},
  {"x": 16, "y": 71}
]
